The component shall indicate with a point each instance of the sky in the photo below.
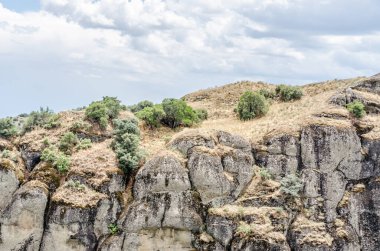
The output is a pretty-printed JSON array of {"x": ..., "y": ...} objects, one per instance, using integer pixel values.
[{"x": 66, "y": 53}]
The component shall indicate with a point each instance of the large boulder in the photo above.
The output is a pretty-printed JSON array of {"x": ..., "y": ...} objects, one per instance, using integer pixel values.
[{"x": 22, "y": 222}]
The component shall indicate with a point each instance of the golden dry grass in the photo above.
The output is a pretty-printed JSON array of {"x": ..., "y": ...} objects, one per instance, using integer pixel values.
[
  {"x": 283, "y": 117},
  {"x": 96, "y": 163},
  {"x": 82, "y": 198}
]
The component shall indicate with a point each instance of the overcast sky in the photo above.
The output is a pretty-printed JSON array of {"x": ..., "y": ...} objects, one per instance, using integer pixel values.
[{"x": 67, "y": 53}]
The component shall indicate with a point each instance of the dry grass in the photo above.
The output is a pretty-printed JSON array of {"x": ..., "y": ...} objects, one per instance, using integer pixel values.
[
  {"x": 96, "y": 163},
  {"x": 82, "y": 198},
  {"x": 314, "y": 233},
  {"x": 261, "y": 214}
]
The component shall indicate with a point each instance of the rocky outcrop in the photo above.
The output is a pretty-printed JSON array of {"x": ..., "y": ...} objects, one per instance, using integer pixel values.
[{"x": 22, "y": 221}]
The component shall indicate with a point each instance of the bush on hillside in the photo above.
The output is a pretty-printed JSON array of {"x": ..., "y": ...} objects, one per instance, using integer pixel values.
[
  {"x": 177, "y": 113},
  {"x": 68, "y": 142},
  {"x": 252, "y": 105},
  {"x": 152, "y": 116},
  {"x": 7, "y": 128},
  {"x": 44, "y": 118},
  {"x": 356, "y": 108},
  {"x": 141, "y": 106},
  {"x": 202, "y": 114},
  {"x": 101, "y": 111},
  {"x": 288, "y": 93},
  {"x": 126, "y": 144},
  {"x": 56, "y": 158},
  {"x": 268, "y": 94}
]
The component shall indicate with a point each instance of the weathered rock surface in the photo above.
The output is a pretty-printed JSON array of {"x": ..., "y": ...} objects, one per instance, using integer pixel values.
[{"x": 22, "y": 221}]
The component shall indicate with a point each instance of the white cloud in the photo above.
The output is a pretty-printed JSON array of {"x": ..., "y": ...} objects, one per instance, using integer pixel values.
[{"x": 185, "y": 44}]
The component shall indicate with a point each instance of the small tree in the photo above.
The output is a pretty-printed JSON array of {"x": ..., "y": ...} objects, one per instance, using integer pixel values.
[
  {"x": 356, "y": 108},
  {"x": 59, "y": 160},
  {"x": 7, "y": 128},
  {"x": 44, "y": 118},
  {"x": 68, "y": 142},
  {"x": 202, "y": 114},
  {"x": 177, "y": 113},
  {"x": 152, "y": 116},
  {"x": 252, "y": 105}
]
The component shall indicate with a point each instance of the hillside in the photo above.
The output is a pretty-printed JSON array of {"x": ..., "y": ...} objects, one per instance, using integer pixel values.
[{"x": 303, "y": 177}]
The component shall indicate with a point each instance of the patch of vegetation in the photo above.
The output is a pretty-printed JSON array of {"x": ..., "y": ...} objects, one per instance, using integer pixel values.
[
  {"x": 56, "y": 158},
  {"x": 6, "y": 154},
  {"x": 141, "y": 106},
  {"x": 126, "y": 144},
  {"x": 252, "y": 105},
  {"x": 113, "y": 228},
  {"x": 291, "y": 185},
  {"x": 84, "y": 144},
  {"x": 44, "y": 118},
  {"x": 101, "y": 111},
  {"x": 151, "y": 115},
  {"x": 244, "y": 229},
  {"x": 268, "y": 94},
  {"x": 68, "y": 142},
  {"x": 202, "y": 114},
  {"x": 356, "y": 108},
  {"x": 7, "y": 128},
  {"x": 178, "y": 113},
  {"x": 80, "y": 126},
  {"x": 288, "y": 93},
  {"x": 265, "y": 174},
  {"x": 76, "y": 185}
]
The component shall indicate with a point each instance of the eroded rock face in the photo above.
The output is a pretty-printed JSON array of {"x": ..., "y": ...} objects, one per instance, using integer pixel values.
[
  {"x": 165, "y": 210},
  {"x": 22, "y": 222},
  {"x": 8, "y": 185}
]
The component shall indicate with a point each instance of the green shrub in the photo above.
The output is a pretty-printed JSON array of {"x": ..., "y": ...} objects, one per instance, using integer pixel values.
[
  {"x": 288, "y": 93},
  {"x": 252, "y": 105},
  {"x": 80, "y": 126},
  {"x": 202, "y": 114},
  {"x": 152, "y": 116},
  {"x": 356, "y": 108},
  {"x": 97, "y": 112},
  {"x": 244, "y": 229},
  {"x": 5, "y": 154},
  {"x": 68, "y": 142},
  {"x": 141, "y": 106},
  {"x": 177, "y": 113},
  {"x": 84, "y": 144},
  {"x": 126, "y": 144},
  {"x": 44, "y": 118},
  {"x": 7, "y": 128},
  {"x": 268, "y": 94},
  {"x": 265, "y": 174},
  {"x": 101, "y": 111},
  {"x": 58, "y": 159},
  {"x": 291, "y": 184},
  {"x": 113, "y": 106}
]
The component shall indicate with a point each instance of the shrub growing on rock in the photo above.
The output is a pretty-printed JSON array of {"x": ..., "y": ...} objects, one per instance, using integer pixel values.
[
  {"x": 152, "y": 116},
  {"x": 56, "y": 158},
  {"x": 288, "y": 93},
  {"x": 44, "y": 118},
  {"x": 141, "y": 106},
  {"x": 291, "y": 184},
  {"x": 7, "y": 128},
  {"x": 356, "y": 108},
  {"x": 126, "y": 144},
  {"x": 251, "y": 105},
  {"x": 68, "y": 142}
]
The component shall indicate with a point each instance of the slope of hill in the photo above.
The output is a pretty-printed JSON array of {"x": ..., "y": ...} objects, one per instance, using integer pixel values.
[{"x": 303, "y": 177}]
